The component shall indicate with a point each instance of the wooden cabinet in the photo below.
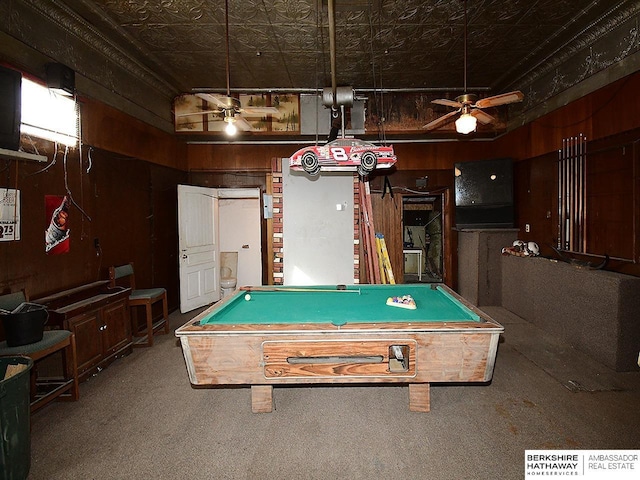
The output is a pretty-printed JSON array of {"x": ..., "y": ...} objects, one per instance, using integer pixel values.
[
  {"x": 116, "y": 327},
  {"x": 99, "y": 318},
  {"x": 88, "y": 343}
]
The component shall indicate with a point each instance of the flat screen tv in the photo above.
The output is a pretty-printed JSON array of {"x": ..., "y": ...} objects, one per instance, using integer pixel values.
[
  {"x": 10, "y": 108},
  {"x": 484, "y": 194}
]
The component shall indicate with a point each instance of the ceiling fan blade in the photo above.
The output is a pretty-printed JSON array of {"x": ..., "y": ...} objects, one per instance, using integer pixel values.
[
  {"x": 502, "y": 99},
  {"x": 482, "y": 117},
  {"x": 258, "y": 111},
  {"x": 242, "y": 124},
  {"x": 441, "y": 121},
  {"x": 214, "y": 99},
  {"x": 447, "y": 103},
  {"x": 200, "y": 112}
]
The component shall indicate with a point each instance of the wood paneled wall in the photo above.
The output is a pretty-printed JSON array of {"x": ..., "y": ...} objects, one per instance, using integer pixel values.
[
  {"x": 129, "y": 206},
  {"x": 136, "y": 212},
  {"x": 613, "y": 201},
  {"x": 607, "y": 112},
  {"x": 114, "y": 131},
  {"x": 235, "y": 158},
  {"x": 610, "y": 122}
]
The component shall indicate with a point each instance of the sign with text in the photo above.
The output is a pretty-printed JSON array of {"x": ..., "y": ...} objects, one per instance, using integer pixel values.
[
  {"x": 9, "y": 214},
  {"x": 582, "y": 464}
]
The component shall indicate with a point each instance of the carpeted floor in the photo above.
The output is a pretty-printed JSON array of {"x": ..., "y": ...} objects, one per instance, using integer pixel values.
[{"x": 140, "y": 419}]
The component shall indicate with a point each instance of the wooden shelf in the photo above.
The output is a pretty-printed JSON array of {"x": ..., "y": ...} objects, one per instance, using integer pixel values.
[{"x": 15, "y": 155}]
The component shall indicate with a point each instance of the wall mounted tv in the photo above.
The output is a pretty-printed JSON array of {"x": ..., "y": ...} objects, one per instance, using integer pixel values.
[
  {"x": 484, "y": 194},
  {"x": 10, "y": 108}
]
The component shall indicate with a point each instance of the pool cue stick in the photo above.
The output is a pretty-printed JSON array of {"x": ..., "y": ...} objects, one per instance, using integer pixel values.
[{"x": 292, "y": 289}]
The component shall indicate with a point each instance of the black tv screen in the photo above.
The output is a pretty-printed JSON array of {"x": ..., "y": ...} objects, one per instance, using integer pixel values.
[
  {"x": 484, "y": 194},
  {"x": 10, "y": 108}
]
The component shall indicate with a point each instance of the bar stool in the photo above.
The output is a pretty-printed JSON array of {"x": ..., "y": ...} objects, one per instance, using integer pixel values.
[{"x": 141, "y": 297}]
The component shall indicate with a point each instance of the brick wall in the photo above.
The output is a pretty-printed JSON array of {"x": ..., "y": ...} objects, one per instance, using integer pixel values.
[
  {"x": 356, "y": 229},
  {"x": 278, "y": 255}
]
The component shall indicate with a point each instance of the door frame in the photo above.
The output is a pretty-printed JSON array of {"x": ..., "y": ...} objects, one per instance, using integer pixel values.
[
  {"x": 242, "y": 193},
  {"x": 441, "y": 198}
]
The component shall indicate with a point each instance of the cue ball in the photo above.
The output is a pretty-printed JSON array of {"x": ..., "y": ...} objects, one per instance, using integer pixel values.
[{"x": 247, "y": 297}]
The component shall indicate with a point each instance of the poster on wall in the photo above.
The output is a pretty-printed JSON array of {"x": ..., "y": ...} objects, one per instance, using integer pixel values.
[
  {"x": 56, "y": 235},
  {"x": 9, "y": 214}
]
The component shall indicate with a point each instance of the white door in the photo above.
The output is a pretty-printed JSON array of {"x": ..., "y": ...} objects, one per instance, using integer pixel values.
[
  {"x": 198, "y": 245},
  {"x": 240, "y": 231}
]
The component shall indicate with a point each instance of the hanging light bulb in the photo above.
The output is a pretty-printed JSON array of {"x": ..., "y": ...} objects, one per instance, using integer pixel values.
[
  {"x": 466, "y": 123},
  {"x": 230, "y": 120},
  {"x": 231, "y": 128}
]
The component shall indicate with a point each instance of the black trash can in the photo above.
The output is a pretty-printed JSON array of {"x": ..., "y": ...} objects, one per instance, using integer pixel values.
[
  {"x": 15, "y": 418},
  {"x": 25, "y": 324}
]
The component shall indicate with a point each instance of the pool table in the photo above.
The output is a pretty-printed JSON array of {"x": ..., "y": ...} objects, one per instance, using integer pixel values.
[{"x": 261, "y": 336}]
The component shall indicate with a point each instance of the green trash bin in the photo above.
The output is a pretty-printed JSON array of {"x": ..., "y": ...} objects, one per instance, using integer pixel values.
[{"x": 15, "y": 418}]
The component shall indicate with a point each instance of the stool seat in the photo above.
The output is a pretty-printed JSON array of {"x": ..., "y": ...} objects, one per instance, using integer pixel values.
[
  {"x": 146, "y": 293},
  {"x": 49, "y": 339},
  {"x": 52, "y": 341}
]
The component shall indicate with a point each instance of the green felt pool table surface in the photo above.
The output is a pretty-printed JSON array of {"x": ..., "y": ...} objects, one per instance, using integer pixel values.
[{"x": 327, "y": 304}]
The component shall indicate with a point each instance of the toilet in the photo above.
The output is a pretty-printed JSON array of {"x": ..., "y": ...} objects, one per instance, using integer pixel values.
[{"x": 228, "y": 272}]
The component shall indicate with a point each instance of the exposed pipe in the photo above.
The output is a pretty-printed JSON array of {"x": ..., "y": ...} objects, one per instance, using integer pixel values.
[
  {"x": 226, "y": 19},
  {"x": 357, "y": 90},
  {"x": 465, "y": 46},
  {"x": 305, "y": 141},
  {"x": 332, "y": 50}
]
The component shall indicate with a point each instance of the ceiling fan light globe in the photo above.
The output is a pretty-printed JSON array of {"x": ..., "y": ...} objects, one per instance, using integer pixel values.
[
  {"x": 230, "y": 129},
  {"x": 466, "y": 124}
]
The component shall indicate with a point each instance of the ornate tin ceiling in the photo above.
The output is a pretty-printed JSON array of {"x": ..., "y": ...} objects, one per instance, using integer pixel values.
[
  {"x": 141, "y": 48},
  {"x": 401, "y": 44}
]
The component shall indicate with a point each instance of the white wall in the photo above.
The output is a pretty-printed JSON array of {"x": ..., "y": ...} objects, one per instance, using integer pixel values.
[
  {"x": 317, "y": 237},
  {"x": 239, "y": 219}
]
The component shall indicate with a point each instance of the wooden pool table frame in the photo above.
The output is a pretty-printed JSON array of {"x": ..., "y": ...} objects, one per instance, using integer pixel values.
[{"x": 322, "y": 353}]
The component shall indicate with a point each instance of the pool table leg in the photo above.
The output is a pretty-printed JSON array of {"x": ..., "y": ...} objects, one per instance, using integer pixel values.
[
  {"x": 261, "y": 398},
  {"x": 419, "y": 397}
]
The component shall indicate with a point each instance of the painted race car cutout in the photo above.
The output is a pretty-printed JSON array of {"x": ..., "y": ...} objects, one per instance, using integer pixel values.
[{"x": 343, "y": 154}]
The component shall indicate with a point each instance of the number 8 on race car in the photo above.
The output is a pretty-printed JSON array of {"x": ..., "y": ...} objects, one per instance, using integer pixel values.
[{"x": 339, "y": 154}]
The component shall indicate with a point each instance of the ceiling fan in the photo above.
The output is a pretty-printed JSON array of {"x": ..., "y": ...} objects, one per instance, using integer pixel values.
[
  {"x": 231, "y": 108},
  {"x": 468, "y": 104},
  {"x": 227, "y": 106}
]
